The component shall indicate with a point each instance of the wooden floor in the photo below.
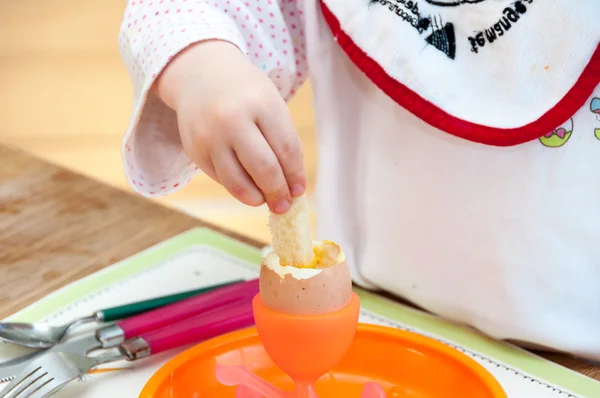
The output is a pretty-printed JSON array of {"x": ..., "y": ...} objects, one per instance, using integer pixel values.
[{"x": 66, "y": 97}]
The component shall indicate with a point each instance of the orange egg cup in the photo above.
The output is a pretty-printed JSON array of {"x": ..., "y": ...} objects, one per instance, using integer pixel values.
[
  {"x": 304, "y": 347},
  {"x": 299, "y": 356}
]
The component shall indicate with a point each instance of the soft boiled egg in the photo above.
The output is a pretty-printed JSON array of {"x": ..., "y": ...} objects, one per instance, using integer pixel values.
[{"x": 322, "y": 285}]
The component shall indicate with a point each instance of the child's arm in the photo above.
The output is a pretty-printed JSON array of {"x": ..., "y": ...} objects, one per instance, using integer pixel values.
[{"x": 153, "y": 32}]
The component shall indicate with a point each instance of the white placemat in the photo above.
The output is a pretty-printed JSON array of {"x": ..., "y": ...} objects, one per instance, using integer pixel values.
[{"x": 201, "y": 257}]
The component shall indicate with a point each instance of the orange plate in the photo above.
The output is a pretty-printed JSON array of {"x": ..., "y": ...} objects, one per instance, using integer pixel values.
[{"x": 405, "y": 364}]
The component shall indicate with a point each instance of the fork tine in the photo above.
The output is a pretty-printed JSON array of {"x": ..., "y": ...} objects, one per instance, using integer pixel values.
[
  {"x": 37, "y": 385},
  {"x": 31, "y": 382},
  {"x": 46, "y": 389},
  {"x": 53, "y": 371},
  {"x": 18, "y": 384}
]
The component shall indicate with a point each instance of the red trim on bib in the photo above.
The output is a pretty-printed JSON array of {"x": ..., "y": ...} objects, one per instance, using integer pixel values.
[{"x": 436, "y": 117}]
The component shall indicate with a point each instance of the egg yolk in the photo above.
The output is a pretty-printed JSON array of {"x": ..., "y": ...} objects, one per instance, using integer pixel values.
[{"x": 326, "y": 255}]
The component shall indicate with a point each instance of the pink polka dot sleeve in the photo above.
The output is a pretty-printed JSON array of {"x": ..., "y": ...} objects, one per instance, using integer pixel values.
[{"x": 270, "y": 32}]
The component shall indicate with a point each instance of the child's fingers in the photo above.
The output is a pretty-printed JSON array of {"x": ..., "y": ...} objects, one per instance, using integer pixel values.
[
  {"x": 204, "y": 162},
  {"x": 257, "y": 157},
  {"x": 208, "y": 168},
  {"x": 199, "y": 153},
  {"x": 278, "y": 129},
  {"x": 234, "y": 178}
]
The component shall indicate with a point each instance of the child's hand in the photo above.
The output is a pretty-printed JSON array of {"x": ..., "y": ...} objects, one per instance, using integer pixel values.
[{"x": 234, "y": 124}]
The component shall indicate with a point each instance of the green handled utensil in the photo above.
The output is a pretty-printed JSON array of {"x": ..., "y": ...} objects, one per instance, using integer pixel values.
[
  {"x": 45, "y": 336},
  {"x": 127, "y": 310}
]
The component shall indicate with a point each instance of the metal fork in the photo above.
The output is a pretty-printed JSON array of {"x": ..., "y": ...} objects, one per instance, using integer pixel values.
[{"x": 53, "y": 371}]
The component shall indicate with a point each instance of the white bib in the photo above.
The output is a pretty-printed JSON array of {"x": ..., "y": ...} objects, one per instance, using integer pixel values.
[{"x": 490, "y": 71}]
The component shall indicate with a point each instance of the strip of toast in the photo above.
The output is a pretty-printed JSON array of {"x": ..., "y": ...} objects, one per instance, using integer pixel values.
[{"x": 292, "y": 235}]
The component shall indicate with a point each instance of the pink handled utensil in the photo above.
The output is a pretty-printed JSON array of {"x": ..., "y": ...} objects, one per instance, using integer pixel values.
[
  {"x": 112, "y": 336},
  {"x": 54, "y": 369},
  {"x": 138, "y": 325},
  {"x": 192, "y": 330}
]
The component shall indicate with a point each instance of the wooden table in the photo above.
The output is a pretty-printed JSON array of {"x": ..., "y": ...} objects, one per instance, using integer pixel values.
[{"x": 57, "y": 227}]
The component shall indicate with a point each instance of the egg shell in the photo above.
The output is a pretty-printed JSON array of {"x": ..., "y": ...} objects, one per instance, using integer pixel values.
[{"x": 327, "y": 291}]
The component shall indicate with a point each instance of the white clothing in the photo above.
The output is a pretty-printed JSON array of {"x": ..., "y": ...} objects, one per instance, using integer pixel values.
[{"x": 499, "y": 233}]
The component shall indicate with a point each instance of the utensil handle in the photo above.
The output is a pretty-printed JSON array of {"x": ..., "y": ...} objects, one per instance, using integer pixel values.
[
  {"x": 192, "y": 330},
  {"x": 172, "y": 313},
  {"x": 127, "y": 310}
]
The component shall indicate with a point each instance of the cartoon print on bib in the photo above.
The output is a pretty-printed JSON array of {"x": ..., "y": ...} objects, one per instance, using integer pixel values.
[
  {"x": 595, "y": 108},
  {"x": 559, "y": 136}
]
